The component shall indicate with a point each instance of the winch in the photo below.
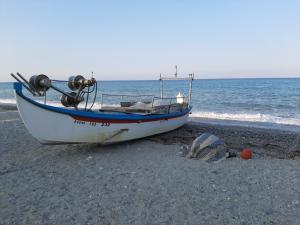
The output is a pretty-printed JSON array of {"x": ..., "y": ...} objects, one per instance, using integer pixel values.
[
  {"x": 40, "y": 82},
  {"x": 73, "y": 101},
  {"x": 38, "y": 85}
]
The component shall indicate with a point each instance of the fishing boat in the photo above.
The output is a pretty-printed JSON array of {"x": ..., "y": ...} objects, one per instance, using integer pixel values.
[{"x": 70, "y": 123}]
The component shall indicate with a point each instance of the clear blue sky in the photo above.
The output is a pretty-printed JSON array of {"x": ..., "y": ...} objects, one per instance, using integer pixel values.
[{"x": 140, "y": 39}]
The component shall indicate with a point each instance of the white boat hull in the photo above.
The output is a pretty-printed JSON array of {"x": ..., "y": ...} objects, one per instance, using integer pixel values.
[{"x": 51, "y": 127}]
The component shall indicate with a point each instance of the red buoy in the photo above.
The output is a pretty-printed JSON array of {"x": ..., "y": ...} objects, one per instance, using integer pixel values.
[{"x": 246, "y": 154}]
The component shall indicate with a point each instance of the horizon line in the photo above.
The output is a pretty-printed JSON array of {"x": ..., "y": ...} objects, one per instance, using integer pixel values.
[{"x": 224, "y": 78}]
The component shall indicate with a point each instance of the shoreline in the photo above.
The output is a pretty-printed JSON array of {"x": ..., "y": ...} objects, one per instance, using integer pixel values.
[
  {"x": 239, "y": 123},
  {"x": 209, "y": 121}
]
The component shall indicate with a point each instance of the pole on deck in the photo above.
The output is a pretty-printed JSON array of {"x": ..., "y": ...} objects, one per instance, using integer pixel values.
[
  {"x": 191, "y": 86},
  {"x": 161, "y": 86}
]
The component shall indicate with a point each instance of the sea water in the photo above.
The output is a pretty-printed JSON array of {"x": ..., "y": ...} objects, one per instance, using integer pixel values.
[{"x": 272, "y": 101}]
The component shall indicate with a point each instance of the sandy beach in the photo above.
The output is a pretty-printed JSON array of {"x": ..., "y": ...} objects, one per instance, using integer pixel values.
[{"x": 147, "y": 181}]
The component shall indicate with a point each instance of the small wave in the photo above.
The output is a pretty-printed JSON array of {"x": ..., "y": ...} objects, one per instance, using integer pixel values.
[
  {"x": 255, "y": 117},
  {"x": 8, "y": 101}
]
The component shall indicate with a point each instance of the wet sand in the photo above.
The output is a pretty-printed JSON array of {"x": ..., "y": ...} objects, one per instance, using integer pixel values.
[{"x": 146, "y": 181}]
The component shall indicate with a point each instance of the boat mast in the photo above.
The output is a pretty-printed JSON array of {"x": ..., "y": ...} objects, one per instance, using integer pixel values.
[
  {"x": 161, "y": 86},
  {"x": 191, "y": 76}
]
